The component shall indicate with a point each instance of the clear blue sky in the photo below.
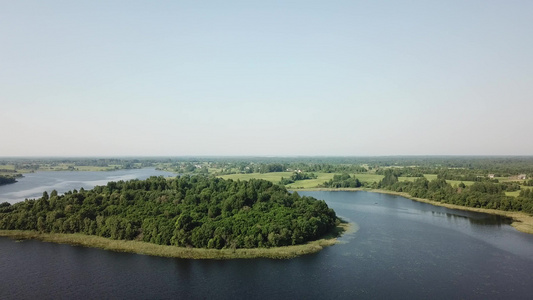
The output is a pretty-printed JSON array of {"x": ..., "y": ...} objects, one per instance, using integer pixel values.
[{"x": 109, "y": 78}]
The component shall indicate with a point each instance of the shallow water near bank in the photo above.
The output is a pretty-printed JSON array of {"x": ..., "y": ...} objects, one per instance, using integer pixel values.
[{"x": 402, "y": 249}]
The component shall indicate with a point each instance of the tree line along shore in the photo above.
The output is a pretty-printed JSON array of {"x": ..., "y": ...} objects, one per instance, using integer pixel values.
[{"x": 485, "y": 194}]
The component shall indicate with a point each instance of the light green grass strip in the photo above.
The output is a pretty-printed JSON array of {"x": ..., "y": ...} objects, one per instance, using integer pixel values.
[{"x": 181, "y": 252}]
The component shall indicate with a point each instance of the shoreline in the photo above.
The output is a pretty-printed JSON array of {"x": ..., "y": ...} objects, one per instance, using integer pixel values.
[
  {"x": 144, "y": 248},
  {"x": 520, "y": 221}
]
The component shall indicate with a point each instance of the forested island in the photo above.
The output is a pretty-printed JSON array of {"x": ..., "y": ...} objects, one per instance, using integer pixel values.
[{"x": 188, "y": 211}]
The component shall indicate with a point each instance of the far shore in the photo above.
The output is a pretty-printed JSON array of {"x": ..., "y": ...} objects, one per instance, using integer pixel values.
[
  {"x": 521, "y": 221},
  {"x": 145, "y": 248}
]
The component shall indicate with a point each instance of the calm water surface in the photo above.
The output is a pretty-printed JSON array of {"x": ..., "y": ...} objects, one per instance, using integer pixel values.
[
  {"x": 403, "y": 249},
  {"x": 32, "y": 185}
]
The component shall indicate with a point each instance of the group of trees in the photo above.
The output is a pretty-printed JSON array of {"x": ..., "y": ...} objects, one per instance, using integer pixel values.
[
  {"x": 297, "y": 176},
  {"x": 343, "y": 181},
  {"x": 528, "y": 182},
  {"x": 484, "y": 194},
  {"x": 188, "y": 211},
  {"x": 389, "y": 179},
  {"x": 7, "y": 179},
  {"x": 269, "y": 168}
]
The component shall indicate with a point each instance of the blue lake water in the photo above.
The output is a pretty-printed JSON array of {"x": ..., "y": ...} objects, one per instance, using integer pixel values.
[
  {"x": 32, "y": 185},
  {"x": 402, "y": 249}
]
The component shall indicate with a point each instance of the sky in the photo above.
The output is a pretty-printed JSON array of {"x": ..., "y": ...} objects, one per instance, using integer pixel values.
[{"x": 266, "y": 78}]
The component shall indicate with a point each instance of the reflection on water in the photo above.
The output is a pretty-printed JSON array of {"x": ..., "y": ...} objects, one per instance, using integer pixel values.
[{"x": 482, "y": 219}]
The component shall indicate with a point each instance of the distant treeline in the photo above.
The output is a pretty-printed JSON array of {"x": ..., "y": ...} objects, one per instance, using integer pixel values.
[
  {"x": 249, "y": 167},
  {"x": 189, "y": 211},
  {"x": 456, "y": 167},
  {"x": 483, "y": 194},
  {"x": 470, "y": 166}
]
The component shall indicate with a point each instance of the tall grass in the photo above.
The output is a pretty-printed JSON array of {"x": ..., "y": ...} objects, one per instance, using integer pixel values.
[{"x": 181, "y": 252}]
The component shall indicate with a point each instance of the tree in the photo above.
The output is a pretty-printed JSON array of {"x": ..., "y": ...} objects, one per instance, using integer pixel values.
[{"x": 389, "y": 179}]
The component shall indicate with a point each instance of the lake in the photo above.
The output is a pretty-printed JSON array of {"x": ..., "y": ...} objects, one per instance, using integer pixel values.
[
  {"x": 32, "y": 185},
  {"x": 402, "y": 249}
]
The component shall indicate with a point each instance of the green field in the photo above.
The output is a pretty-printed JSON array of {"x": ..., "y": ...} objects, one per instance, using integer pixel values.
[
  {"x": 507, "y": 179},
  {"x": 311, "y": 183},
  {"x": 456, "y": 182},
  {"x": 7, "y": 167},
  {"x": 368, "y": 178},
  {"x": 430, "y": 176},
  {"x": 323, "y": 177},
  {"x": 10, "y": 170},
  {"x": 273, "y": 177},
  {"x": 214, "y": 170},
  {"x": 300, "y": 184},
  {"x": 512, "y": 194}
]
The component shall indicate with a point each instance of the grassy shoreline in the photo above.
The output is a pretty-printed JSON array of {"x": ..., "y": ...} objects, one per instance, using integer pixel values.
[
  {"x": 144, "y": 248},
  {"x": 521, "y": 221}
]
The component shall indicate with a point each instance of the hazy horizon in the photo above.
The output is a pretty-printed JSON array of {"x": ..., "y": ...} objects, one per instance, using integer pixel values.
[{"x": 266, "y": 79}]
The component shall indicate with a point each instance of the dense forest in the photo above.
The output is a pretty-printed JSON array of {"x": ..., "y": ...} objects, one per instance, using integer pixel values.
[
  {"x": 188, "y": 211},
  {"x": 481, "y": 194}
]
